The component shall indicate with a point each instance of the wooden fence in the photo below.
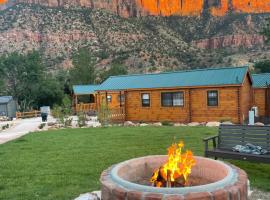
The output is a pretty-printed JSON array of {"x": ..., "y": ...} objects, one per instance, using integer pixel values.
[
  {"x": 34, "y": 113},
  {"x": 117, "y": 114},
  {"x": 84, "y": 107}
]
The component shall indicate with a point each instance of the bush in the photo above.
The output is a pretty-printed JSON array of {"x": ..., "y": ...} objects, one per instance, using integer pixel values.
[
  {"x": 166, "y": 123},
  {"x": 225, "y": 120},
  {"x": 68, "y": 122},
  {"x": 104, "y": 114},
  {"x": 42, "y": 125},
  {"x": 5, "y": 127},
  {"x": 82, "y": 119},
  {"x": 61, "y": 113}
]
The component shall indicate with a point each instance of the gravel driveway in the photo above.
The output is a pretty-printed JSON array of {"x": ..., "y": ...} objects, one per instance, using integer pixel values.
[{"x": 20, "y": 128}]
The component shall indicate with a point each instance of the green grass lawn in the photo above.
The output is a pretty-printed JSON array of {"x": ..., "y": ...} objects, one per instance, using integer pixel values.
[{"x": 62, "y": 164}]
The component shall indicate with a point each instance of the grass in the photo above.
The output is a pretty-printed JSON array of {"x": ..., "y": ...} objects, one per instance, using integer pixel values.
[{"x": 62, "y": 164}]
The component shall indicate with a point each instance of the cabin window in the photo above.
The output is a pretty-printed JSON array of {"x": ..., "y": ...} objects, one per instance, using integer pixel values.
[
  {"x": 109, "y": 98},
  {"x": 212, "y": 98},
  {"x": 121, "y": 98},
  {"x": 146, "y": 100},
  {"x": 169, "y": 99}
]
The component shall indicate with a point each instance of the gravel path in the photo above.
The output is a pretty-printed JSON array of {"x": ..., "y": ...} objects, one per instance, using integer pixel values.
[
  {"x": 20, "y": 128},
  {"x": 259, "y": 195}
]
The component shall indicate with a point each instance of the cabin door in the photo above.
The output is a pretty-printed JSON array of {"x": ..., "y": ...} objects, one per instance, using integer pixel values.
[{"x": 267, "y": 102}]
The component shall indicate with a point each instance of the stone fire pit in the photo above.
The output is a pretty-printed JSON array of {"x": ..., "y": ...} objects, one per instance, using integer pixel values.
[{"x": 209, "y": 180}]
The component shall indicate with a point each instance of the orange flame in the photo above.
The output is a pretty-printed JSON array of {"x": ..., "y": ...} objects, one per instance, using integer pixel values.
[{"x": 178, "y": 165}]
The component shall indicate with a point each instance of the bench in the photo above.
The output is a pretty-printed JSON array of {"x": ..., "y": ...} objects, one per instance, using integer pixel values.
[{"x": 232, "y": 135}]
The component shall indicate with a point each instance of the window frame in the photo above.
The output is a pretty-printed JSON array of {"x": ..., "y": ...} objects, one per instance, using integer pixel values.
[
  {"x": 217, "y": 98},
  {"x": 121, "y": 98},
  {"x": 142, "y": 103},
  {"x": 109, "y": 100},
  {"x": 172, "y": 99}
]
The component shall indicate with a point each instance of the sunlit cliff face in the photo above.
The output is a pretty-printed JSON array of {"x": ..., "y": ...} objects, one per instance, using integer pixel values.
[
  {"x": 172, "y": 7},
  {"x": 131, "y": 8},
  {"x": 3, "y": 1},
  {"x": 195, "y": 7}
]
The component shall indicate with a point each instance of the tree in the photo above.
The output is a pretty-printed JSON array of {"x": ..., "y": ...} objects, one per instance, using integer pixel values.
[
  {"x": 266, "y": 31},
  {"x": 50, "y": 93},
  {"x": 262, "y": 66},
  {"x": 25, "y": 78},
  {"x": 83, "y": 71},
  {"x": 116, "y": 69}
]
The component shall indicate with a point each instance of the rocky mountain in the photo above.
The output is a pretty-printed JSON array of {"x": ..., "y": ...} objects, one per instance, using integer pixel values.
[
  {"x": 167, "y": 39},
  {"x": 132, "y": 8}
]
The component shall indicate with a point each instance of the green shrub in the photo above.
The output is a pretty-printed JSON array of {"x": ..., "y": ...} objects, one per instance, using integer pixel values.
[
  {"x": 81, "y": 119},
  {"x": 104, "y": 114},
  {"x": 166, "y": 123},
  {"x": 61, "y": 113},
  {"x": 42, "y": 125},
  {"x": 68, "y": 122},
  {"x": 5, "y": 127},
  {"x": 225, "y": 120}
]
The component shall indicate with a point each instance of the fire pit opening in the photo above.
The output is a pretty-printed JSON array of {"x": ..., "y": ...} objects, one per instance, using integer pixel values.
[
  {"x": 201, "y": 178},
  {"x": 140, "y": 171}
]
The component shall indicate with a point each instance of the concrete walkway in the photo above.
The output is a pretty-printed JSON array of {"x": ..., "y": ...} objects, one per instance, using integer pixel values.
[{"x": 20, "y": 128}]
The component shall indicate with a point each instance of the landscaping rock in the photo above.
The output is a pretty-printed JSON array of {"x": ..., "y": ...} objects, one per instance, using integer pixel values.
[
  {"x": 51, "y": 123},
  {"x": 143, "y": 124},
  {"x": 194, "y": 124},
  {"x": 157, "y": 124},
  {"x": 213, "y": 124},
  {"x": 90, "y": 196},
  {"x": 179, "y": 124},
  {"x": 227, "y": 123},
  {"x": 92, "y": 118},
  {"x": 93, "y": 124},
  {"x": 259, "y": 195},
  {"x": 259, "y": 124},
  {"x": 129, "y": 123}
]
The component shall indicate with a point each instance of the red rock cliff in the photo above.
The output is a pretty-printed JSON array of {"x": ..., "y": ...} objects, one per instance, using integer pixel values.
[
  {"x": 127, "y": 8},
  {"x": 230, "y": 41}
]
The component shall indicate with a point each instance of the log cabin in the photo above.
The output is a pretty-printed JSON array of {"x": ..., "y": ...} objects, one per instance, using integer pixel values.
[
  {"x": 84, "y": 98},
  {"x": 261, "y": 95},
  {"x": 202, "y": 95}
]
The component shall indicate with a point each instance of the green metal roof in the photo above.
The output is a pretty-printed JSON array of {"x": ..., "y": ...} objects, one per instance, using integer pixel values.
[
  {"x": 199, "y": 77},
  {"x": 84, "y": 89},
  {"x": 261, "y": 80}
]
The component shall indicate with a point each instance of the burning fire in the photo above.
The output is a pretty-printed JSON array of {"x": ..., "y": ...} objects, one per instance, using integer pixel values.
[{"x": 176, "y": 170}]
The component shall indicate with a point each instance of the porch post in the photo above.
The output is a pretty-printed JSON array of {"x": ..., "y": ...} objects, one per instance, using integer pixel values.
[
  {"x": 106, "y": 98},
  {"x": 120, "y": 102},
  {"x": 76, "y": 100},
  {"x": 190, "y": 105},
  {"x": 125, "y": 105}
]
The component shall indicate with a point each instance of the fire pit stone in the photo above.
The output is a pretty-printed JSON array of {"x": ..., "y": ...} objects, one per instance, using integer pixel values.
[{"x": 210, "y": 179}]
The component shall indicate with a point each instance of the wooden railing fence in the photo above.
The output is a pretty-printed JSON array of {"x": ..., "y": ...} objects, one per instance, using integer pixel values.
[
  {"x": 117, "y": 114},
  {"x": 84, "y": 107},
  {"x": 34, "y": 113}
]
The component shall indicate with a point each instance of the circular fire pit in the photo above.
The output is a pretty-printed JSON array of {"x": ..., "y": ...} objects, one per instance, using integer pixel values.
[{"x": 209, "y": 180}]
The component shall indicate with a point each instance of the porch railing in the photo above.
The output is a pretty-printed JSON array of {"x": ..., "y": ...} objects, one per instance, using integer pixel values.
[
  {"x": 117, "y": 114},
  {"x": 84, "y": 107}
]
